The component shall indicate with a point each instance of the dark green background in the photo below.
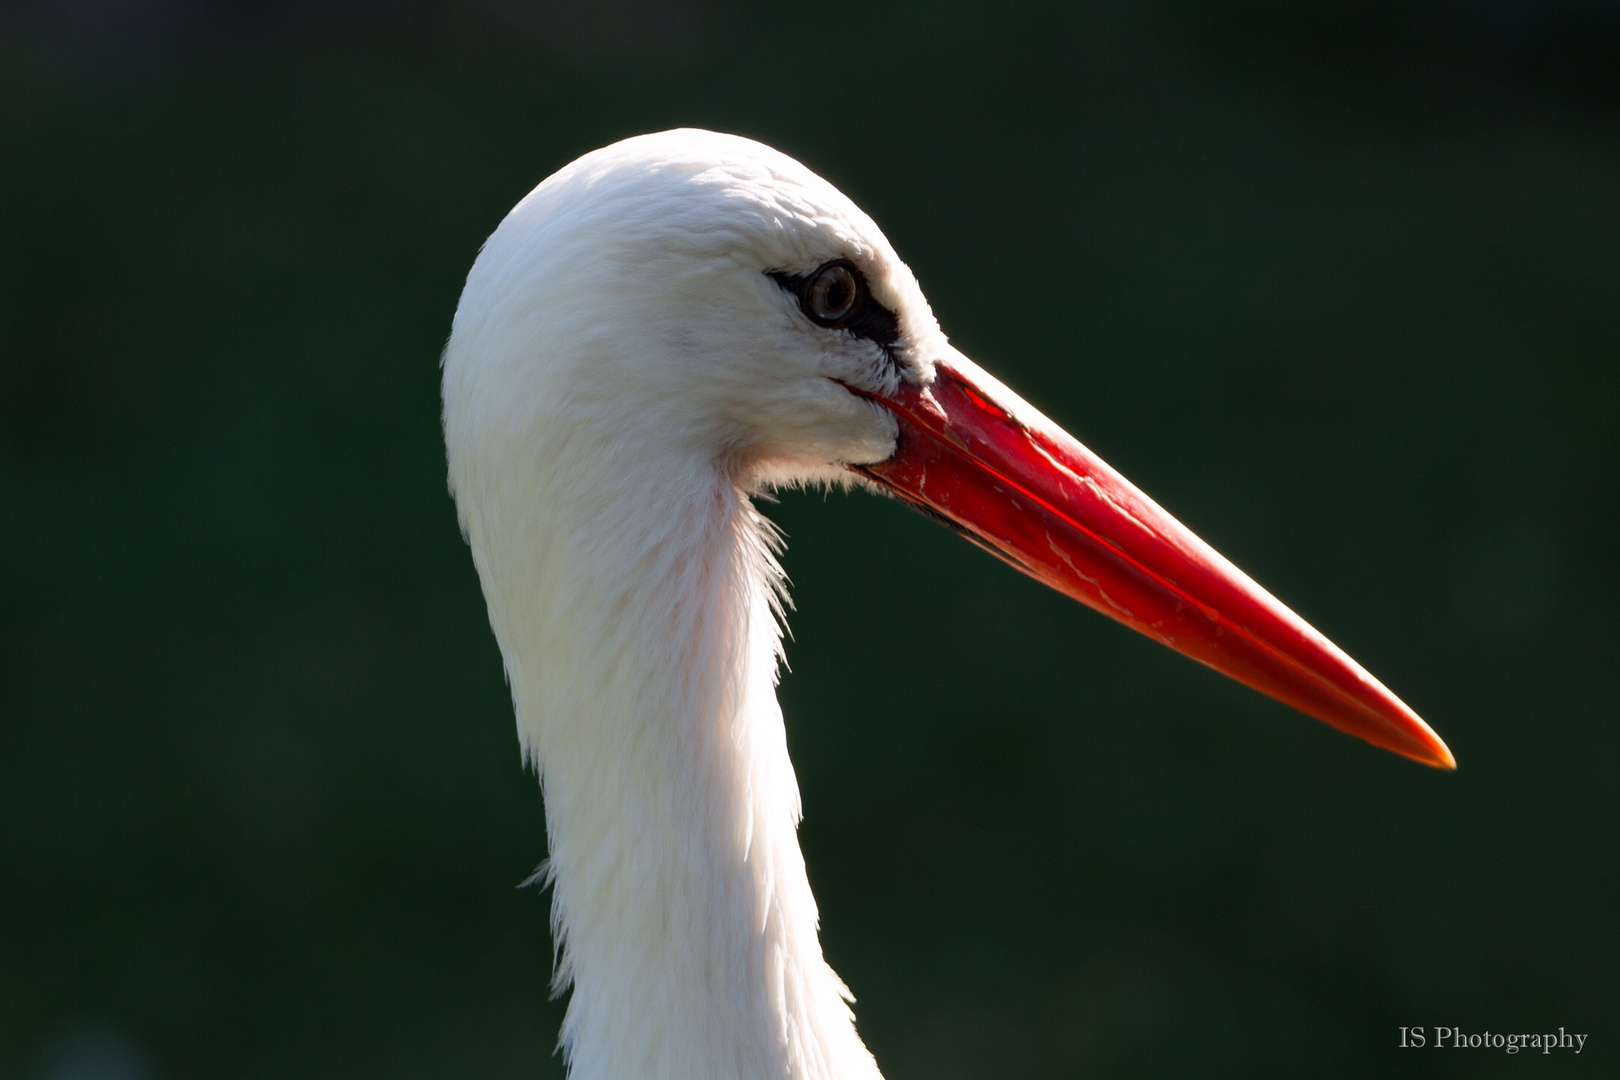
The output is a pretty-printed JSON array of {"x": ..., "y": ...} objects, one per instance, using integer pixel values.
[{"x": 1340, "y": 288}]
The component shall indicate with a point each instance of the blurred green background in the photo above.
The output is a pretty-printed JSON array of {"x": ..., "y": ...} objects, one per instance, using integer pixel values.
[{"x": 1338, "y": 284}]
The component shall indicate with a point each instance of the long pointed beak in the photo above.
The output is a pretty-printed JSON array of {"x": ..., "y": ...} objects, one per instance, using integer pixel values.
[{"x": 974, "y": 454}]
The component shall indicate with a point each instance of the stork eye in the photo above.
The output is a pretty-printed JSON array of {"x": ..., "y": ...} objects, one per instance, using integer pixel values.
[{"x": 833, "y": 295}]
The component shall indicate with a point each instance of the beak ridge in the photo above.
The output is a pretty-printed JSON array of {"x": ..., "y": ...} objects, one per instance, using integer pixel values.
[{"x": 976, "y": 456}]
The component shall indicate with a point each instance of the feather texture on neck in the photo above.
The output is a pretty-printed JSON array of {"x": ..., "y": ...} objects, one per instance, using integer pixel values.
[{"x": 641, "y": 630}]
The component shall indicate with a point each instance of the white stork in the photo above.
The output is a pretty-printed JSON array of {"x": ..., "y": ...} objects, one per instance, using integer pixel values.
[{"x": 657, "y": 332}]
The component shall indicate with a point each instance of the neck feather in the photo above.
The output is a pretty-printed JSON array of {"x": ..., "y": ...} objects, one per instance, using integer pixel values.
[{"x": 640, "y": 622}]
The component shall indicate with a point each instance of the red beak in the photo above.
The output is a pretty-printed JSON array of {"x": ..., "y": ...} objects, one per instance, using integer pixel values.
[{"x": 976, "y": 455}]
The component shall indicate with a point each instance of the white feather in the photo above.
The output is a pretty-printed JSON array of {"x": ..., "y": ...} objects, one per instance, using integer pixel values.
[{"x": 621, "y": 376}]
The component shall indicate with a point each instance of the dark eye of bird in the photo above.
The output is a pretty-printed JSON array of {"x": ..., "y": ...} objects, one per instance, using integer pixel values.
[{"x": 833, "y": 294}]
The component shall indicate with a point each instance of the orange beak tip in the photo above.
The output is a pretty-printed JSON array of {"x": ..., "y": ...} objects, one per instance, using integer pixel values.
[{"x": 1443, "y": 758}]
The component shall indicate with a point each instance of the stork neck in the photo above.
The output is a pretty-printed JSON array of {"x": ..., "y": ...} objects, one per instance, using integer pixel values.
[{"x": 643, "y": 661}]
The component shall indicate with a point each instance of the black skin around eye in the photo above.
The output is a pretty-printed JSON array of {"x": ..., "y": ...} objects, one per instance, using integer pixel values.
[{"x": 868, "y": 319}]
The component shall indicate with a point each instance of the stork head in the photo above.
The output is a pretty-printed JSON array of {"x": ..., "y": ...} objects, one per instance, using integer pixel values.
[
  {"x": 701, "y": 298},
  {"x": 708, "y": 291}
]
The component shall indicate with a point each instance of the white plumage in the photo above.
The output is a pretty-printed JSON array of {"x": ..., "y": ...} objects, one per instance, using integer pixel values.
[
  {"x": 621, "y": 375},
  {"x": 658, "y": 331}
]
